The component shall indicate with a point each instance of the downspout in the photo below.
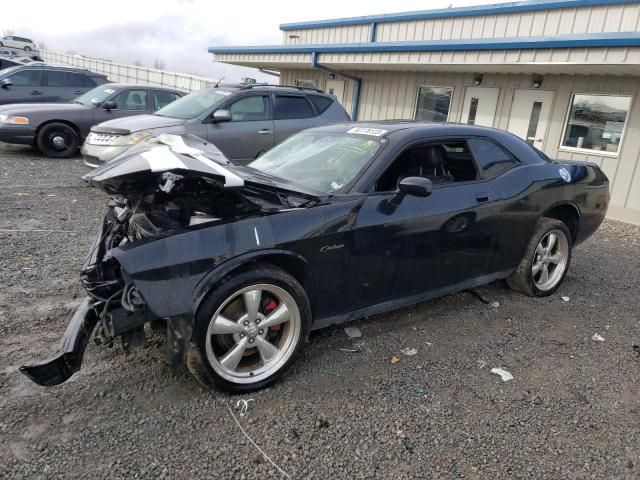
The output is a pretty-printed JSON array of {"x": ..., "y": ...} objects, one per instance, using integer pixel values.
[{"x": 356, "y": 87}]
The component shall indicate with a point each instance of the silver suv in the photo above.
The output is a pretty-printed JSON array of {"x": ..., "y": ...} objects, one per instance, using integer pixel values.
[{"x": 242, "y": 121}]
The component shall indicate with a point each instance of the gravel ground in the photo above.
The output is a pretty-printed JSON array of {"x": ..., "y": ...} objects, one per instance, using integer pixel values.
[{"x": 572, "y": 410}]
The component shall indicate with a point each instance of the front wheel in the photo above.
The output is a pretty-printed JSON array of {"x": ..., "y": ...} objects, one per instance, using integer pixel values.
[
  {"x": 546, "y": 260},
  {"x": 58, "y": 140},
  {"x": 27, "y": 49},
  {"x": 249, "y": 330}
]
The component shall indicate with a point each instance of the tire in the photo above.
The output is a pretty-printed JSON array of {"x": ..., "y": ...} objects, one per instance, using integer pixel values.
[
  {"x": 58, "y": 140},
  {"x": 529, "y": 277},
  {"x": 211, "y": 356},
  {"x": 27, "y": 49}
]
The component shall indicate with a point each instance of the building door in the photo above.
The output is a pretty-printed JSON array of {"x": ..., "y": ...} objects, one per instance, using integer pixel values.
[
  {"x": 530, "y": 115},
  {"x": 335, "y": 87},
  {"x": 479, "y": 106}
]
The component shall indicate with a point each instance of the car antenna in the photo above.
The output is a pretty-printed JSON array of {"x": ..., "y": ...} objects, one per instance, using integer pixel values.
[{"x": 218, "y": 82}]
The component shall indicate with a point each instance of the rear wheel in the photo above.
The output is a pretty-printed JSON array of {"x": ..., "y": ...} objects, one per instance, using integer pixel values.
[
  {"x": 249, "y": 330},
  {"x": 546, "y": 260},
  {"x": 27, "y": 49},
  {"x": 58, "y": 140}
]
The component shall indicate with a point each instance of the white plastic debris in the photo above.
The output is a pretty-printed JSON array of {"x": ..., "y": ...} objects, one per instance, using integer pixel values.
[
  {"x": 409, "y": 352},
  {"x": 506, "y": 376},
  {"x": 494, "y": 304},
  {"x": 353, "y": 332},
  {"x": 597, "y": 338},
  {"x": 565, "y": 299}
]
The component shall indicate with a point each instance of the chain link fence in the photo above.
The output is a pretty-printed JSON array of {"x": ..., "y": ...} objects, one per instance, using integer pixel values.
[{"x": 118, "y": 72}]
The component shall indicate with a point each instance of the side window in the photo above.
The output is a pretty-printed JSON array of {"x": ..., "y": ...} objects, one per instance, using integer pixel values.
[
  {"x": 321, "y": 103},
  {"x": 26, "y": 78},
  {"x": 134, "y": 99},
  {"x": 442, "y": 163},
  {"x": 249, "y": 109},
  {"x": 67, "y": 79},
  {"x": 289, "y": 107},
  {"x": 162, "y": 98},
  {"x": 493, "y": 159}
]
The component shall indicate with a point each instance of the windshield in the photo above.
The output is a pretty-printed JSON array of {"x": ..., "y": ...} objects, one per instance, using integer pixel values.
[
  {"x": 97, "y": 95},
  {"x": 319, "y": 160},
  {"x": 194, "y": 104}
]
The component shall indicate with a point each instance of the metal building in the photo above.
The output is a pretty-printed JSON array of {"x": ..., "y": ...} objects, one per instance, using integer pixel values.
[{"x": 562, "y": 74}]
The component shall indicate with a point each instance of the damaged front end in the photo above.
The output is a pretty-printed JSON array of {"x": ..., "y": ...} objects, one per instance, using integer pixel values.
[{"x": 163, "y": 187}]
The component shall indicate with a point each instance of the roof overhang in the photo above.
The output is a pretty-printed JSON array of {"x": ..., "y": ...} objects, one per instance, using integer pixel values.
[{"x": 594, "y": 54}]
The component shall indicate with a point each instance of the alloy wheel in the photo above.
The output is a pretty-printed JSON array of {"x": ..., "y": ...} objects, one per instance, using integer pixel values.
[
  {"x": 253, "y": 333},
  {"x": 550, "y": 260}
]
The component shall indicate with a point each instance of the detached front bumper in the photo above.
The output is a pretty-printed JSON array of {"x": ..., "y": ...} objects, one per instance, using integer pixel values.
[{"x": 74, "y": 342}]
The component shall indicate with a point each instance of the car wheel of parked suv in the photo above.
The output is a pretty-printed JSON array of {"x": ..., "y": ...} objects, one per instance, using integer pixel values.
[
  {"x": 27, "y": 49},
  {"x": 545, "y": 261},
  {"x": 58, "y": 140},
  {"x": 249, "y": 330}
]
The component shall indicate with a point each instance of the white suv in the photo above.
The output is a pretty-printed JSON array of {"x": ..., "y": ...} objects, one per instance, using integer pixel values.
[{"x": 18, "y": 42}]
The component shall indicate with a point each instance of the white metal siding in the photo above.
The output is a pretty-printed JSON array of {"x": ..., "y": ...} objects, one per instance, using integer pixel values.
[{"x": 591, "y": 19}]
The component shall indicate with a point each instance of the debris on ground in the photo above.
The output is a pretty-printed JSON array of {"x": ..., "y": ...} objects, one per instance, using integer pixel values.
[
  {"x": 565, "y": 299},
  {"x": 353, "y": 332},
  {"x": 242, "y": 406},
  {"x": 506, "y": 376},
  {"x": 509, "y": 320},
  {"x": 394, "y": 360},
  {"x": 597, "y": 338},
  {"x": 409, "y": 352},
  {"x": 399, "y": 433},
  {"x": 495, "y": 304},
  {"x": 349, "y": 350},
  {"x": 636, "y": 348},
  {"x": 420, "y": 390}
]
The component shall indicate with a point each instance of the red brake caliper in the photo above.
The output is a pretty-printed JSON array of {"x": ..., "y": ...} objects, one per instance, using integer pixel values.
[{"x": 269, "y": 306}]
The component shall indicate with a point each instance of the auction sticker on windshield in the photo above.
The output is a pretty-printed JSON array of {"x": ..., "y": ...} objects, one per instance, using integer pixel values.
[{"x": 375, "y": 132}]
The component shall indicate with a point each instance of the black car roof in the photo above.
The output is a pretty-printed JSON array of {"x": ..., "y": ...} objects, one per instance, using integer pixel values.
[
  {"x": 48, "y": 66},
  {"x": 393, "y": 128}
]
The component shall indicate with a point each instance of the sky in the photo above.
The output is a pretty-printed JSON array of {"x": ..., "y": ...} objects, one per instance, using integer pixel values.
[{"x": 178, "y": 32}]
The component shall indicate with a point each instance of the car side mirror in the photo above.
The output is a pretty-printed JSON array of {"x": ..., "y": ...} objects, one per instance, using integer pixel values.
[
  {"x": 414, "y": 186},
  {"x": 221, "y": 116},
  {"x": 110, "y": 105},
  {"x": 6, "y": 83}
]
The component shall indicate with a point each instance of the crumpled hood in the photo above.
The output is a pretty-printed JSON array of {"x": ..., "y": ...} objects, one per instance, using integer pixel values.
[
  {"x": 138, "y": 170},
  {"x": 136, "y": 123}
]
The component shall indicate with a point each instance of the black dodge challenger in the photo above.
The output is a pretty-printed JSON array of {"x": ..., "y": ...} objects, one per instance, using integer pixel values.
[{"x": 239, "y": 264}]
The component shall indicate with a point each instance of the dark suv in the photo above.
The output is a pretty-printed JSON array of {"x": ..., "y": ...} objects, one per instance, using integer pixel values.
[
  {"x": 242, "y": 121},
  {"x": 45, "y": 83}
]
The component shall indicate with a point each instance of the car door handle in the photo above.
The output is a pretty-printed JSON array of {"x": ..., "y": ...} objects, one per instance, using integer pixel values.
[
  {"x": 265, "y": 131},
  {"x": 483, "y": 197},
  {"x": 36, "y": 92},
  {"x": 78, "y": 92}
]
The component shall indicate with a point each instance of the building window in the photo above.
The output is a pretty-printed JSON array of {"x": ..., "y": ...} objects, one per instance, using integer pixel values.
[
  {"x": 596, "y": 122},
  {"x": 433, "y": 103}
]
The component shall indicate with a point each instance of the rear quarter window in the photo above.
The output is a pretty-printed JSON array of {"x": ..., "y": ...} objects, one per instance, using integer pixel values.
[
  {"x": 492, "y": 158},
  {"x": 321, "y": 103}
]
